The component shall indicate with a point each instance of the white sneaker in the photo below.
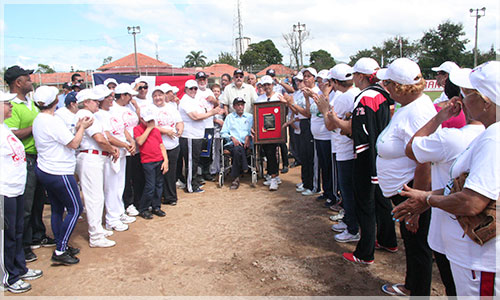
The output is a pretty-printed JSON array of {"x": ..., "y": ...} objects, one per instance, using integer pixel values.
[
  {"x": 132, "y": 211},
  {"x": 274, "y": 184},
  {"x": 300, "y": 189},
  {"x": 267, "y": 177},
  {"x": 126, "y": 219},
  {"x": 338, "y": 216},
  {"x": 102, "y": 243},
  {"x": 307, "y": 192},
  {"x": 346, "y": 237},
  {"x": 118, "y": 227},
  {"x": 339, "y": 227},
  {"x": 299, "y": 185},
  {"x": 108, "y": 233},
  {"x": 180, "y": 185},
  {"x": 268, "y": 181}
]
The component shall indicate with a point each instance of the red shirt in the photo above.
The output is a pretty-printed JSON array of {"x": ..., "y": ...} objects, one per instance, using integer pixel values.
[{"x": 150, "y": 150}]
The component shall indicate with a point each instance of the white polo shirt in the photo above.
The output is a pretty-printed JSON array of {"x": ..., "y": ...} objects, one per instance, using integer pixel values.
[
  {"x": 193, "y": 129},
  {"x": 13, "y": 162},
  {"x": 342, "y": 105},
  {"x": 68, "y": 118},
  {"x": 167, "y": 117},
  {"x": 202, "y": 97},
  {"x": 88, "y": 143}
]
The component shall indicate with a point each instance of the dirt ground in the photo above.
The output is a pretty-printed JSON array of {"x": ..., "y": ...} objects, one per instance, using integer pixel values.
[{"x": 247, "y": 242}]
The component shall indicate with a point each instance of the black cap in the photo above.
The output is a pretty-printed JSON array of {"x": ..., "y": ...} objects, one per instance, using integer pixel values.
[
  {"x": 66, "y": 85},
  {"x": 201, "y": 74},
  {"x": 238, "y": 71},
  {"x": 14, "y": 72},
  {"x": 271, "y": 72},
  {"x": 70, "y": 97},
  {"x": 81, "y": 86},
  {"x": 238, "y": 100}
]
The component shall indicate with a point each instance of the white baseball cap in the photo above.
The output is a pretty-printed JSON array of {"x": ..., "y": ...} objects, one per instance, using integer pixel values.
[
  {"x": 159, "y": 88},
  {"x": 365, "y": 65},
  {"x": 310, "y": 70},
  {"x": 447, "y": 67},
  {"x": 402, "y": 71},
  {"x": 299, "y": 76},
  {"x": 266, "y": 79},
  {"x": 190, "y": 84},
  {"x": 45, "y": 95},
  {"x": 486, "y": 79},
  {"x": 140, "y": 79},
  {"x": 168, "y": 88},
  {"x": 7, "y": 96},
  {"x": 85, "y": 94},
  {"x": 125, "y": 88},
  {"x": 323, "y": 74},
  {"x": 110, "y": 80},
  {"x": 460, "y": 77},
  {"x": 341, "y": 72},
  {"x": 147, "y": 114},
  {"x": 101, "y": 91}
]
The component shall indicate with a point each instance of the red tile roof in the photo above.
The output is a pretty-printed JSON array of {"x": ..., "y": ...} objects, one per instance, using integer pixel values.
[
  {"x": 153, "y": 71},
  {"x": 216, "y": 70},
  {"x": 280, "y": 70},
  {"x": 129, "y": 61},
  {"x": 57, "y": 78}
]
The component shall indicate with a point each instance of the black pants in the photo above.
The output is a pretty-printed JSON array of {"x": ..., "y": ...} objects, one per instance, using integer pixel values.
[
  {"x": 134, "y": 181},
  {"x": 190, "y": 152},
  {"x": 272, "y": 160},
  {"x": 418, "y": 254},
  {"x": 294, "y": 145},
  {"x": 373, "y": 211},
  {"x": 324, "y": 152},
  {"x": 205, "y": 162},
  {"x": 169, "y": 188},
  {"x": 306, "y": 153},
  {"x": 153, "y": 186},
  {"x": 443, "y": 265},
  {"x": 239, "y": 161},
  {"x": 284, "y": 154},
  {"x": 13, "y": 254}
]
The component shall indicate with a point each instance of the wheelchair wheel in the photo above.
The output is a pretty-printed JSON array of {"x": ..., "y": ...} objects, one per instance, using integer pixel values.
[
  {"x": 254, "y": 179},
  {"x": 220, "y": 182}
]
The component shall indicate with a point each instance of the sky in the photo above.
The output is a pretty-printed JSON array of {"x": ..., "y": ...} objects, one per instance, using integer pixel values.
[{"x": 80, "y": 34}]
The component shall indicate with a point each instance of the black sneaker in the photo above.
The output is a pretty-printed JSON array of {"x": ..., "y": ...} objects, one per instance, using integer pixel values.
[
  {"x": 284, "y": 170},
  {"x": 146, "y": 215},
  {"x": 322, "y": 197},
  {"x": 72, "y": 251},
  {"x": 208, "y": 177},
  {"x": 64, "y": 259},
  {"x": 199, "y": 190},
  {"x": 328, "y": 203},
  {"x": 173, "y": 203},
  {"x": 159, "y": 212},
  {"x": 48, "y": 242},
  {"x": 29, "y": 256}
]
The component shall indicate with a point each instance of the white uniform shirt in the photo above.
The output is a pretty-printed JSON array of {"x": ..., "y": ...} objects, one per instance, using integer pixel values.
[
  {"x": 342, "y": 105},
  {"x": 246, "y": 91},
  {"x": 142, "y": 103},
  {"x": 192, "y": 129},
  {"x": 88, "y": 143},
  {"x": 394, "y": 168},
  {"x": 68, "y": 118},
  {"x": 51, "y": 137},
  {"x": 13, "y": 164},
  {"x": 318, "y": 127},
  {"x": 202, "y": 97},
  {"x": 125, "y": 115},
  {"x": 263, "y": 98},
  {"x": 167, "y": 117},
  {"x": 300, "y": 100}
]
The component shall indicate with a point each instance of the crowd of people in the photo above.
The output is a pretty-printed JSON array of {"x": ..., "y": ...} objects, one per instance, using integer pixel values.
[{"x": 371, "y": 145}]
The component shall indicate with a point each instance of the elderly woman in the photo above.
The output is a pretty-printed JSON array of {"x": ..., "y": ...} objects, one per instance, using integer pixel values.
[
  {"x": 473, "y": 264},
  {"x": 405, "y": 84}
]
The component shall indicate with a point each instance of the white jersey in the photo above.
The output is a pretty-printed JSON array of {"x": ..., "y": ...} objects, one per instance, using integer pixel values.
[
  {"x": 88, "y": 143},
  {"x": 342, "y": 105},
  {"x": 13, "y": 162},
  {"x": 202, "y": 97},
  {"x": 167, "y": 117},
  {"x": 193, "y": 129},
  {"x": 68, "y": 118}
]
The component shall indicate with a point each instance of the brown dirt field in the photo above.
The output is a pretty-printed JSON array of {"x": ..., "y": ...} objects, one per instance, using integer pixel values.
[{"x": 246, "y": 242}]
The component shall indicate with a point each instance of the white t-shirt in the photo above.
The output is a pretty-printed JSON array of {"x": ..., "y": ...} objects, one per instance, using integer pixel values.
[
  {"x": 202, "y": 97},
  {"x": 51, "y": 137},
  {"x": 167, "y": 117},
  {"x": 68, "y": 118},
  {"x": 482, "y": 162},
  {"x": 342, "y": 105},
  {"x": 318, "y": 127},
  {"x": 13, "y": 164},
  {"x": 142, "y": 103},
  {"x": 394, "y": 168},
  {"x": 263, "y": 98},
  {"x": 88, "y": 143},
  {"x": 192, "y": 129},
  {"x": 300, "y": 100},
  {"x": 125, "y": 115},
  {"x": 441, "y": 149}
]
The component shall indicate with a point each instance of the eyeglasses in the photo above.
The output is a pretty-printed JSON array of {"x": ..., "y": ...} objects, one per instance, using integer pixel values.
[
  {"x": 193, "y": 88},
  {"x": 144, "y": 87}
]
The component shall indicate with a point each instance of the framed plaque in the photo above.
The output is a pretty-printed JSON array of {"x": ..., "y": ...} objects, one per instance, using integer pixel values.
[{"x": 268, "y": 120}]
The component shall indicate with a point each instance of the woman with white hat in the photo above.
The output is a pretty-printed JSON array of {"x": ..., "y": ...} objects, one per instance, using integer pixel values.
[
  {"x": 12, "y": 184},
  {"x": 472, "y": 256},
  {"x": 56, "y": 167}
]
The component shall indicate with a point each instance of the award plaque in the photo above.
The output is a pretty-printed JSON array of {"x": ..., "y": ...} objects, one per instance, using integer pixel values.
[{"x": 269, "y": 118}]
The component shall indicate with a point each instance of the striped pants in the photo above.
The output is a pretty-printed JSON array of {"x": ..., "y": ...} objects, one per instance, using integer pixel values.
[{"x": 190, "y": 152}]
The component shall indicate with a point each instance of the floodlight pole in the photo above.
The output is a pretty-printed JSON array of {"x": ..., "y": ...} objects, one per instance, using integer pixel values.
[
  {"x": 299, "y": 28},
  {"x": 133, "y": 31},
  {"x": 478, "y": 13}
]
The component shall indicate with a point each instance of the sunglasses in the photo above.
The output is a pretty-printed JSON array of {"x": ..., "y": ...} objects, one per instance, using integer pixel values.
[
  {"x": 80, "y": 80},
  {"x": 144, "y": 87},
  {"x": 193, "y": 88},
  {"x": 441, "y": 73},
  {"x": 238, "y": 76}
]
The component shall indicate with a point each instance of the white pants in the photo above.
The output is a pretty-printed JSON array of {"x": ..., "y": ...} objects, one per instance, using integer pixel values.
[
  {"x": 473, "y": 283},
  {"x": 90, "y": 170},
  {"x": 114, "y": 184}
]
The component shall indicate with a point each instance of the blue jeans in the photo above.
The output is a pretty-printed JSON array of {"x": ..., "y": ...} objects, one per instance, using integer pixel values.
[
  {"x": 345, "y": 180},
  {"x": 153, "y": 186}
]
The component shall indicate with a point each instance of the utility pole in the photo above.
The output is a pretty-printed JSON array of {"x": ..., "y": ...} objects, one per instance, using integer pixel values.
[
  {"x": 133, "y": 31},
  {"x": 299, "y": 28},
  {"x": 478, "y": 13}
]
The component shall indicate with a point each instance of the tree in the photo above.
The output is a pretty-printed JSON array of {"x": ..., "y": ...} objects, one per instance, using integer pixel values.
[
  {"x": 260, "y": 55},
  {"x": 195, "y": 59},
  {"x": 482, "y": 57},
  {"x": 389, "y": 51},
  {"x": 442, "y": 44},
  {"x": 293, "y": 42},
  {"x": 321, "y": 59},
  {"x": 45, "y": 69},
  {"x": 107, "y": 60},
  {"x": 362, "y": 53},
  {"x": 226, "y": 58}
]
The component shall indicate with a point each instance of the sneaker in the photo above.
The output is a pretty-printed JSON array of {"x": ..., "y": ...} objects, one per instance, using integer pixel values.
[
  {"x": 350, "y": 257},
  {"x": 73, "y": 250},
  {"x": 346, "y": 237},
  {"x": 321, "y": 197},
  {"x": 284, "y": 170},
  {"x": 267, "y": 177},
  {"x": 300, "y": 189},
  {"x": 118, "y": 227},
  {"x": 299, "y": 185},
  {"x": 389, "y": 249},
  {"x": 339, "y": 227},
  {"x": 180, "y": 185},
  {"x": 19, "y": 286},
  {"x": 146, "y": 215},
  {"x": 108, "y": 233},
  {"x": 268, "y": 181},
  {"x": 127, "y": 219},
  {"x": 338, "y": 216},
  {"x": 307, "y": 192},
  {"x": 64, "y": 259},
  {"x": 199, "y": 190},
  {"x": 273, "y": 186},
  {"x": 101, "y": 243},
  {"x": 29, "y": 256},
  {"x": 48, "y": 242},
  {"x": 158, "y": 212},
  {"x": 336, "y": 207},
  {"x": 31, "y": 274},
  {"x": 328, "y": 203},
  {"x": 132, "y": 211}
]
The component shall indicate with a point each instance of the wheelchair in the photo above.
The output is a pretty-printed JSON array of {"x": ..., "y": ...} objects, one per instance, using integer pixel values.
[{"x": 226, "y": 162}]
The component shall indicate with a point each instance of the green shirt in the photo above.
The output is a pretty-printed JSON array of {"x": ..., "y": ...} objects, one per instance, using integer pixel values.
[{"x": 23, "y": 117}]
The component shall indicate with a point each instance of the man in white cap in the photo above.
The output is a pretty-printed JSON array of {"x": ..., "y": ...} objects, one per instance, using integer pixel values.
[
  {"x": 443, "y": 72},
  {"x": 93, "y": 152},
  {"x": 238, "y": 89},
  {"x": 110, "y": 83},
  {"x": 143, "y": 99}
]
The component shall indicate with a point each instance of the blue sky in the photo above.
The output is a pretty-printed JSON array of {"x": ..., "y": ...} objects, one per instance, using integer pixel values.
[{"x": 82, "y": 35}]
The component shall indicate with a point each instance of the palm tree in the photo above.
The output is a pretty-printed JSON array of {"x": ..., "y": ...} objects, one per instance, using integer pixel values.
[{"x": 195, "y": 59}]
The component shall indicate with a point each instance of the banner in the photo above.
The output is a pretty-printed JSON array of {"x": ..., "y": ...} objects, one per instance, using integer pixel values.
[{"x": 431, "y": 86}]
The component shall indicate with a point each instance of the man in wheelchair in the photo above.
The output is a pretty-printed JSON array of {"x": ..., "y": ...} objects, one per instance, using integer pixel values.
[{"x": 237, "y": 132}]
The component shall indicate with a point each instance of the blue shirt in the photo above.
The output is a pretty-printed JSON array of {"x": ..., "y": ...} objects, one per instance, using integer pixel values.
[
  {"x": 237, "y": 127},
  {"x": 61, "y": 103}
]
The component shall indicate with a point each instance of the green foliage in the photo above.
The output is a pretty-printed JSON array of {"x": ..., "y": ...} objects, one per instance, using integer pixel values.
[
  {"x": 226, "y": 58},
  {"x": 45, "y": 69},
  {"x": 321, "y": 59},
  {"x": 107, "y": 60},
  {"x": 482, "y": 57},
  {"x": 195, "y": 59},
  {"x": 389, "y": 51},
  {"x": 260, "y": 55}
]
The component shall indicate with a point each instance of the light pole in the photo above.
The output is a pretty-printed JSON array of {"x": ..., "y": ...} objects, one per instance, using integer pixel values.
[
  {"x": 133, "y": 31},
  {"x": 299, "y": 28},
  {"x": 476, "y": 13}
]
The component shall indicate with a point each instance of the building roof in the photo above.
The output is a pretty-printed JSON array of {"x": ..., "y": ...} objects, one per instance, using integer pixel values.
[
  {"x": 57, "y": 78},
  {"x": 128, "y": 61},
  {"x": 280, "y": 70},
  {"x": 153, "y": 71},
  {"x": 217, "y": 70}
]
